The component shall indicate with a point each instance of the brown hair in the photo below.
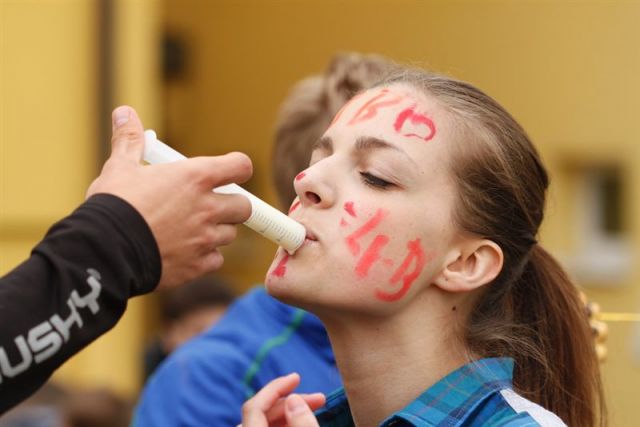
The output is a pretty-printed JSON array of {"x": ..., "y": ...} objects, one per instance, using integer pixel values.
[
  {"x": 308, "y": 110},
  {"x": 532, "y": 311}
]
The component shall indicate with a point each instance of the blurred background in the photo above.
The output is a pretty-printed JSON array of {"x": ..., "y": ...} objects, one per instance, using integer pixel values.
[{"x": 209, "y": 76}]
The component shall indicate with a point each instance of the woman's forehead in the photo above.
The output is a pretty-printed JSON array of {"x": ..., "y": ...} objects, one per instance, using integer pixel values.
[{"x": 396, "y": 113}]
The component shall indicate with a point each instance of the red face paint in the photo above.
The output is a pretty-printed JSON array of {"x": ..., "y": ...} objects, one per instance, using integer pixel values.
[
  {"x": 348, "y": 207},
  {"x": 370, "y": 108},
  {"x": 294, "y": 206},
  {"x": 300, "y": 176},
  {"x": 352, "y": 239},
  {"x": 344, "y": 107},
  {"x": 371, "y": 255},
  {"x": 343, "y": 223},
  {"x": 412, "y": 124},
  {"x": 281, "y": 268},
  {"x": 417, "y": 257}
]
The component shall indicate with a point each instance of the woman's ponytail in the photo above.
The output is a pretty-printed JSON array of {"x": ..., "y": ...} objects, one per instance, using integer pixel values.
[
  {"x": 539, "y": 320},
  {"x": 558, "y": 368}
]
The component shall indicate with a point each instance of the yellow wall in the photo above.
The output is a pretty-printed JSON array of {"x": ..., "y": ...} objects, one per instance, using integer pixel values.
[
  {"x": 567, "y": 70},
  {"x": 50, "y": 148},
  {"x": 47, "y": 128}
]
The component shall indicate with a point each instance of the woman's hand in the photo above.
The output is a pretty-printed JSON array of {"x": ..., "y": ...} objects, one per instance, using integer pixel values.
[{"x": 273, "y": 406}]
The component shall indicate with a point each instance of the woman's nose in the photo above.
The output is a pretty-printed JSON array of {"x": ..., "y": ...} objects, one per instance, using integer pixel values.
[{"x": 314, "y": 189}]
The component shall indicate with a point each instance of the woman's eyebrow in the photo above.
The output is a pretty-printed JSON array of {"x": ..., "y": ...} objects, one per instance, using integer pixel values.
[
  {"x": 369, "y": 143},
  {"x": 325, "y": 144}
]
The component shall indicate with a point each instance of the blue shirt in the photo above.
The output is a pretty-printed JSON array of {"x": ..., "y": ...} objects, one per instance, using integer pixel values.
[
  {"x": 477, "y": 394},
  {"x": 206, "y": 381}
]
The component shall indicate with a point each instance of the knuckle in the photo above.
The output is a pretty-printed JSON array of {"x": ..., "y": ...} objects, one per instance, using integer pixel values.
[
  {"x": 126, "y": 135},
  {"x": 214, "y": 261}
]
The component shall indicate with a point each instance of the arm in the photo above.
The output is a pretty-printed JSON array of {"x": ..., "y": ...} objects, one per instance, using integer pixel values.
[
  {"x": 142, "y": 227},
  {"x": 72, "y": 289}
]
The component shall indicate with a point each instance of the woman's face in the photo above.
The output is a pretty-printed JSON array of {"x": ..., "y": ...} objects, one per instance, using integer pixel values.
[{"x": 376, "y": 201}]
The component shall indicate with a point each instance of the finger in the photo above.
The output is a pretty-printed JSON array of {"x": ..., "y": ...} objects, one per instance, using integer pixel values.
[
  {"x": 223, "y": 234},
  {"x": 127, "y": 141},
  {"x": 221, "y": 170},
  {"x": 216, "y": 236},
  {"x": 211, "y": 262},
  {"x": 314, "y": 400},
  {"x": 229, "y": 208},
  {"x": 298, "y": 413},
  {"x": 254, "y": 410},
  {"x": 276, "y": 413}
]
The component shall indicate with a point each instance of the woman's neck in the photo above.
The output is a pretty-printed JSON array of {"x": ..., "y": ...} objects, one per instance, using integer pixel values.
[{"x": 387, "y": 362}]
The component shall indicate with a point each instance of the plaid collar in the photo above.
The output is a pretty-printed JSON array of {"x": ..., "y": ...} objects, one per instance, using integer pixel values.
[{"x": 450, "y": 401}]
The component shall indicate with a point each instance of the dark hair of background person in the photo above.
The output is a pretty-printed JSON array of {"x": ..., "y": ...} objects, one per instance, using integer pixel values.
[
  {"x": 532, "y": 311},
  {"x": 203, "y": 292},
  {"x": 185, "y": 312},
  {"x": 97, "y": 408},
  {"x": 309, "y": 108}
]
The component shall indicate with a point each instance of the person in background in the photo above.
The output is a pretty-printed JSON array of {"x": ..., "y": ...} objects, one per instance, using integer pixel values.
[
  {"x": 97, "y": 407},
  {"x": 186, "y": 312},
  {"x": 206, "y": 381},
  {"x": 133, "y": 234}
]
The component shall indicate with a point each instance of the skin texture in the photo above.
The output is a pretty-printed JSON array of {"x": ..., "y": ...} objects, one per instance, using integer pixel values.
[
  {"x": 384, "y": 266},
  {"x": 189, "y": 224}
]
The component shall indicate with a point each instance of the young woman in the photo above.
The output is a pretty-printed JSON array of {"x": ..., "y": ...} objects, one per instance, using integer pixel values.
[{"x": 422, "y": 204}]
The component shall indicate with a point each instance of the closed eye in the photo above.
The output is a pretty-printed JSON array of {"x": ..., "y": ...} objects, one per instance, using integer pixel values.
[{"x": 374, "y": 181}]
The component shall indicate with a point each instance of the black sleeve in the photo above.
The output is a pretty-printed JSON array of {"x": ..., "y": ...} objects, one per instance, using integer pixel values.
[{"x": 73, "y": 288}]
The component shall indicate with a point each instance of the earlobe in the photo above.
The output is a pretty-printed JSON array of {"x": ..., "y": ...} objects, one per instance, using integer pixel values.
[{"x": 477, "y": 264}]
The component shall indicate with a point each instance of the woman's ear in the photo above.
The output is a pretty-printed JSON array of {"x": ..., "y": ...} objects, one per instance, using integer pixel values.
[{"x": 477, "y": 263}]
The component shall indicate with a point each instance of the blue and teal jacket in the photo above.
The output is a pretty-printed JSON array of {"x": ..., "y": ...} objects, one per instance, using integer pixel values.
[
  {"x": 479, "y": 394},
  {"x": 206, "y": 381}
]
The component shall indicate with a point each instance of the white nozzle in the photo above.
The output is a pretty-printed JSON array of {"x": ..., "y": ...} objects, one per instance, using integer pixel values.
[{"x": 264, "y": 219}]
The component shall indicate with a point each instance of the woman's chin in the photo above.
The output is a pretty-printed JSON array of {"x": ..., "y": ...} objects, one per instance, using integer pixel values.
[{"x": 278, "y": 287}]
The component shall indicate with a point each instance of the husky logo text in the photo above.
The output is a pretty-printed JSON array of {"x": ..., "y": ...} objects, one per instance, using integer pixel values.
[{"x": 46, "y": 339}]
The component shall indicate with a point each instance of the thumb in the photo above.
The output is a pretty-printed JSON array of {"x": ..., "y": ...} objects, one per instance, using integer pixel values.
[
  {"x": 298, "y": 413},
  {"x": 127, "y": 141}
]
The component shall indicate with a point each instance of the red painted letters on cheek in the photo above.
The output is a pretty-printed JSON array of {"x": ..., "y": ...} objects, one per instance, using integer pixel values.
[
  {"x": 416, "y": 258},
  {"x": 348, "y": 207},
  {"x": 281, "y": 268},
  {"x": 352, "y": 239},
  {"x": 412, "y": 124},
  {"x": 404, "y": 276},
  {"x": 371, "y": 255}
]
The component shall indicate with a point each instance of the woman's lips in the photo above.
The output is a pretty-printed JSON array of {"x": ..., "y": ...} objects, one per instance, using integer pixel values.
[{"x": 311, "y": 235}]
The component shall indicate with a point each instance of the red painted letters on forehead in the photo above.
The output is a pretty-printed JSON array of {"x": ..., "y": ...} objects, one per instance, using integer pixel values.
[
  {"x": 370, "y": 108},
  {"x": 412, "y": 124},
  {"x": 344, "y": 107}
]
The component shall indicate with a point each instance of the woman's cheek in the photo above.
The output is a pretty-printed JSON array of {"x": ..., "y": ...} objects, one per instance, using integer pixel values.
[{"x": 390, "y": 263}]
